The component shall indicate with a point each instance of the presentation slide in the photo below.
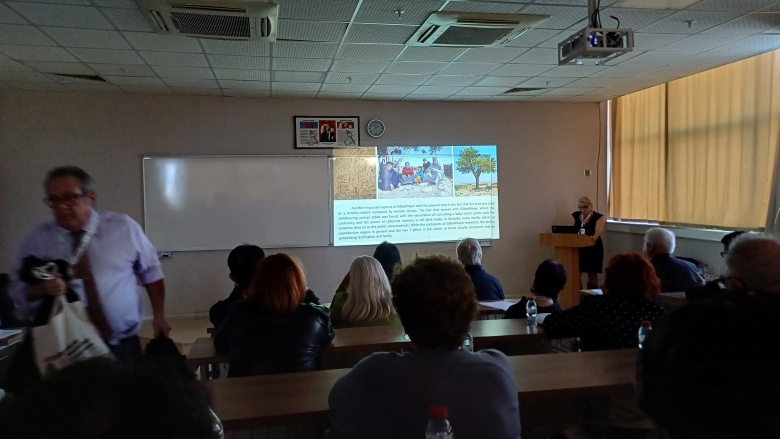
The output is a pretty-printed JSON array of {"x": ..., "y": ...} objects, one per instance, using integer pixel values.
[{"x": 405, "y": 194}]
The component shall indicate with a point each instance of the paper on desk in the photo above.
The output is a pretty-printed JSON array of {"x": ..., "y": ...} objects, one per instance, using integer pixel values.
[{"x": 498, "y": 304}]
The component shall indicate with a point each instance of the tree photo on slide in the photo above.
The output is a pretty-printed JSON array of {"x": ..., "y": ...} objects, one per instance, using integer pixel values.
[{"x": 470, "y": 160}]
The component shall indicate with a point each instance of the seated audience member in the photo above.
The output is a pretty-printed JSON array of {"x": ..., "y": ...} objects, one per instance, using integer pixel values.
[
  {"x": 486, "y": 286},
  {"x": 101, "y": 398},
  {"x": 753, "y": 263},
  {"x": 389, "y": 178},
  {"x": 718, "y": 285},
  {"x": 388, "y": 255},
  {"x": 710, "y": 369},
  {"x": 242, "y": 262},
  {"x": 387, "y": 395},
  {"x": 367, "y": 300},
  {"x": 274, "y": 330},
  {"x": 434, "y": 173},
  {"x": 407, "y": 174},
  {"x": 675, "y": 274},
  {"x": 549, "y": 280},
  {"x": 612, "y": 321}
]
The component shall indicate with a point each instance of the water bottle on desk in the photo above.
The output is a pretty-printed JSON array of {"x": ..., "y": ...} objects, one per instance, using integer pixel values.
[
  {"x": 644, "y": 330},
  {"x": 468, "y": 343},
  {"x": 530, "y": 311},
  {"x": 438, "y": 425}
]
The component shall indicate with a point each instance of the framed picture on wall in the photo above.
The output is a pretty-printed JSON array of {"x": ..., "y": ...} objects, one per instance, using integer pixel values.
[{"x": 326, "y": 131}]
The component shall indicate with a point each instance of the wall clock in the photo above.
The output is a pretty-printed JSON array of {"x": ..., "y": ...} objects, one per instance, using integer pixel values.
[{"x": 375, "y": 128}]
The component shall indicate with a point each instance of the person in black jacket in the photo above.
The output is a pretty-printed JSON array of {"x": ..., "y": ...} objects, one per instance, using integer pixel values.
[
  {"x": 274, "y": 329},
  {"x": 242, "y": 262}
]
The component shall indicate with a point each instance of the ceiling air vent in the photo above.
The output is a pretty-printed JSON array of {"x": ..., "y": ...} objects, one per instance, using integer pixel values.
[
  {"x": 227, "y": 20},
  {"x": 523, "y": 90},
  {"x": 449, "y": 29}
]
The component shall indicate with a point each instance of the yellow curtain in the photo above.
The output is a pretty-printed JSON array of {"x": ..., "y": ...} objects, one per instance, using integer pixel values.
[
  {"x": 723, "y": 137},
  {"x": 638, "y": 154},
  {"x": 714, "y": 162}
]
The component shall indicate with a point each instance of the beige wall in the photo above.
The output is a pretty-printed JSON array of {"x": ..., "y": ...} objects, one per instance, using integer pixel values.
[{"x": 543, "y": 150}]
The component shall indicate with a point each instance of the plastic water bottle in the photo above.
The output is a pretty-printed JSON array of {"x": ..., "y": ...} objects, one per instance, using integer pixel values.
[
  {"x": 644, "y": 329},
  {"x": 468, "y": 343},
  {"x": 530, "y": 311},
  {"x": 438, "y": 425}
]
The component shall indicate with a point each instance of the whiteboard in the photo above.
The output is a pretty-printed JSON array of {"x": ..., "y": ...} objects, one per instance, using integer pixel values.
[{"x": 219, "y": 202}]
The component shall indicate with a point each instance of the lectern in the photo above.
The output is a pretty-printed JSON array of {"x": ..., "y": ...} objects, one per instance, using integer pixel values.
[{"x": 567, "y": 252}]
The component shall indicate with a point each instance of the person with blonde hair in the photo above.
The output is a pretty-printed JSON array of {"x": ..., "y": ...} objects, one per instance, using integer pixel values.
[
  {"x": 367, "y": 300},
  {"x": 590, "y": 223}
]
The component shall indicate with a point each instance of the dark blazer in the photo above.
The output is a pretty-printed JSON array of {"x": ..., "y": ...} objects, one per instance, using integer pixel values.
[
  {"x": 262, "y": 343},
  {"x": 675, "y": 274},
  {"x": 486, "y": 286}
]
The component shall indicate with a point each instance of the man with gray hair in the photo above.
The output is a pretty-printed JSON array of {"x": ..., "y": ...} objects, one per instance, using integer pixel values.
[
  {"x": 753, "y": 261},
  {"x": 675, "y": 274},
  {"x": 486, "y": 286}
]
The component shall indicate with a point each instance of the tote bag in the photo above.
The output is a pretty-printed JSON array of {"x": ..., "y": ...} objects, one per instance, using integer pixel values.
[{"x": 68, "y": 337}]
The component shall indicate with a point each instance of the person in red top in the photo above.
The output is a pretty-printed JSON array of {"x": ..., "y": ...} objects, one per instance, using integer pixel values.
[{"x": 407, "y": 174}]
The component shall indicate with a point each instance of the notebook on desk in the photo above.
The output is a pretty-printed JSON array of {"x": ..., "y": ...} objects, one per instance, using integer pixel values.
[{"x": 565, "y": 229}]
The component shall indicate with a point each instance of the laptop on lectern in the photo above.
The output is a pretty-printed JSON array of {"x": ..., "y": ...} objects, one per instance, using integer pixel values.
[{"x": 565, "y": 229}]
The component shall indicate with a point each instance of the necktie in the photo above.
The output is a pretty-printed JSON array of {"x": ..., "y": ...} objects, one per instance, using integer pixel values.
[{"x": 94, "y": 307}]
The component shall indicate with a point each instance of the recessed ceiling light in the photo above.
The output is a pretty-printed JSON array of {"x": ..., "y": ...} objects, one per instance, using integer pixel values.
[{"x": 654, "y": 4}]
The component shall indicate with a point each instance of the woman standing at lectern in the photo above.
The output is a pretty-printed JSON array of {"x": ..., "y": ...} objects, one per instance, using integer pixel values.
[{"x": 591, "y": 223}]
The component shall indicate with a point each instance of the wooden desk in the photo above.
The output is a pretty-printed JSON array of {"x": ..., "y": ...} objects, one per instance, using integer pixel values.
[
  {"x": 367, "y": 340},
  {"x": 674, "y": 300},
  {"x": 261, "y": 401}
]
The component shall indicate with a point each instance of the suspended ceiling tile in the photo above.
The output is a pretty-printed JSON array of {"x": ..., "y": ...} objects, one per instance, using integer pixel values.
[
  {"x": 186, "y": 90},
  {"x": 70, "y": 68},
  {"x": 521, "y": 70},
  {"x": 420, "y": 68},
  {"x": 748, "y": 24},
  {"x": 383, "y": 11},
  {"x": 135, "y": 80},
  {"x": 24, "y": 35},
  {"x": 251, "y": 85},
  {"x": 334, "y": 10},
  {"x": 391, "y": 89},
  {"x": 491, "y": 54},
  {"x": 561, "y": 17},
  {"x": 11, "y": 65},
  {"x": 569, "y": 91},
  {"x": 403, "y": 79},
  {"x": 625, "y": 57},
  {"x": 431, "y": 54},
  {"x": 39, "y": 86},
  {"x": 753, "y": 44},
  {"x": 732, "y": 5},
  {"x": 61, "y": 15},
  {"x": 370, "y": 51},
  {"x": 37, "y": 53},
  {"x": 379, "y": 33},
  {"x": 345, "y": 88},
  {"x": 295, "y": 86},
  {"x": 7, "y": 15},
  {"x": 359, "y": 66},
  {"x": 537, "y": 37},
  {"x": 293, "y": 94},
  {"x": 91, "y": 38},
  {"x": 297, "y": 49},
  {"x": 461, "y": 68},
  {"x": 162, "y": 43},
  {"x": 481, "y": 91},
  {"x": 570, "y": 71},
  {"x": 145, "y": 89},
  {"x": 485, "y": 7},
  {"x": 191, "y": 83},
  {"x": 700, "y": 43},
  {"x": 97, "y": 87},
  {"x": 128, "y": 4},
  {"x": 126, "y": 19},
  {"x": 23, "y": 76},
  {"x": 541, "y": 81},
  {"x": 183, "y": 72},
  {"x": 678, "y": 23},
  {"x": 174, "y": 59},
  {"x": 595, "y": 82},
  {"x": 122, "y": 69},
  {"x": 657, "y": 59},
  {"x": 466, "y": 98},
  {"x": 239, "y": 62},
  {"x": 643, "y": 41},
  {"x": 290, "y": 76},
  {"x": 306, "y": 65},
  {"x": 383, "y": 96},
  {"x": 538, "y": 56},
  {"x": 632, "y": 18},
  {"x": 336, "y": 95},
  {"x": 351, "y": 78},
  {"x": 246, "y": 93},
  {"x": 243, "y": 74},
  {"x": 107, "y": 56},
  {"x": 310, "y": 31},
  {"x": 242, "y": 48},
  {"x": 620, "y": 71},
  {"x": 452, "y": 80},
  {"x": 419, "y": 97},
  {"x": 500, "y": 81}
]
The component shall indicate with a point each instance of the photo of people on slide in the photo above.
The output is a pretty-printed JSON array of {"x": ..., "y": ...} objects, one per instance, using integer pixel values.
[
  {"x": 415, "y": 172},
  {"x": 475, "y": 171}
]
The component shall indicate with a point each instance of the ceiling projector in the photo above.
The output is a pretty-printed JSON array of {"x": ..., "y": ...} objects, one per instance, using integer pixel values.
[{"x": 595, "y": 43}]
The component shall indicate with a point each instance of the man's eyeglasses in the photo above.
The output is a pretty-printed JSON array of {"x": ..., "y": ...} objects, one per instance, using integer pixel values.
[{"x": 68, "y": 199}]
